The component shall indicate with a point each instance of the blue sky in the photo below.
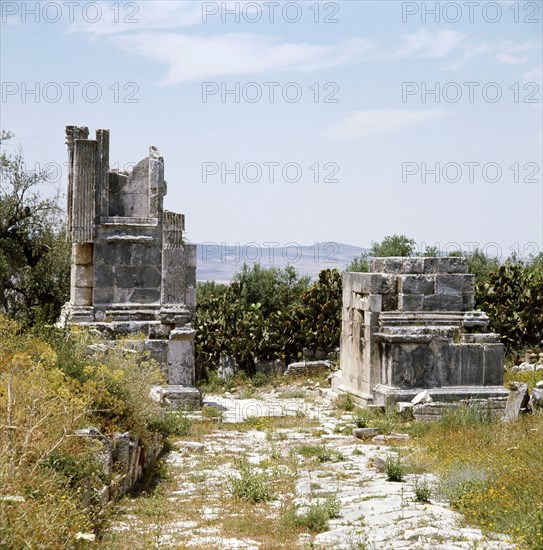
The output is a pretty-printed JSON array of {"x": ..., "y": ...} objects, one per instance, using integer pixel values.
[{"x": 353, "y": 167}]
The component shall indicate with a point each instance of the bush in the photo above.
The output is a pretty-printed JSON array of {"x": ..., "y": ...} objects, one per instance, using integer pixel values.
[
  {"x": 44, "y": 398},
  {"x": 34, "y": 253},
  {"x": 266, "y": 314},
  {"x": 315, "y": 518},
  {"x": 175, "y": 423},
  {"x": 344, "y": 402},
  {"x": 422, "y": 490},
  {"x": 512, "y": 297},
  {"x": 394, "y": 468},
  {"x": 251, "y": 485}
]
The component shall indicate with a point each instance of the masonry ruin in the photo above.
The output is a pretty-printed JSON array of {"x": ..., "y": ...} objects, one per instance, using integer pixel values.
[
  {"x": 409, "y": 325},
  {"x": 132, "y": 274}
]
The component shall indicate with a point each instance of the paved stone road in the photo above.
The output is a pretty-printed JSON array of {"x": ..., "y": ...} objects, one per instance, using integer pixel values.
[{"x": 375, "y": 513}]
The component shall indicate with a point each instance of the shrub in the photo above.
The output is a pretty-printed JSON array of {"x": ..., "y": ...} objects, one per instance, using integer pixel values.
[
  {"x": 44, "y": 398},
  {"x": 315, "y": 518},
  {"x": 175, "y": 423},
  {"x": 250, "y": 485},
  {"x": 344, "y": 402},
  {"x": 512, "y": 296},
  {"x": 266, "y": 314},
  {"x": 422, "y": 490},
  {"x": 394, "y": 468}
]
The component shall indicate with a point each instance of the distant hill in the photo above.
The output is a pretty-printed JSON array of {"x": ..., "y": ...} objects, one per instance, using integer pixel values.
[{"x": 219, "y": 262}]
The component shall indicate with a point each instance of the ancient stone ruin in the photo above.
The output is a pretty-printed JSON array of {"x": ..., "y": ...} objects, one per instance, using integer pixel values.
[
  {"x": 409, "y": 325},
  {"x": 132, "y": 274}
]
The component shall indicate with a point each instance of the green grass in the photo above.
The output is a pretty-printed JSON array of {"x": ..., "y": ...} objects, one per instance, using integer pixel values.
[{"x": 321, "y": 452}]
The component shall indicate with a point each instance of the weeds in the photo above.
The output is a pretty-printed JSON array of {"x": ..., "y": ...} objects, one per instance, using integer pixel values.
[
  {"x": 321, "y": 453},
  {"x": 345, "y": 402},
  {"x": 251, "y": 485},
  {"x": 394, "y": 468},
  {"x": 316, "y": 517},
  {"x": 422, "y": 490}
]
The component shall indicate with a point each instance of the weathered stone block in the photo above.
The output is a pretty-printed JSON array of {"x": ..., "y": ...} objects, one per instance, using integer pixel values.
[
  {"x": 145, "y": 296},
  {"x": 468, "y": 302},
  {"x": 104, "y": 276},
  {"x": 410, "y": 302},
  {"x": 142, "y": 276},
  {"x": 369, "y": 283},
  {"x": 472, "y": 365},
  {"x": 370, "y": 302},
  {"x": 445, "y": 265},
  {"x": 443, "y": 302},
  {"x": 82, "y": 253},
  {"x": 393, "y": 265},
  {"x": 413, "y": 265},
  {"x": 371, "y": 318},
  {"x": 416, "y": 284},
  {"x": 517, "y": 401},
  {"x": 390, "y": 301},
  {"x": 493, "y": 364},
  {"x": 81, "y": 276},
  {"x": 103, "y": 296},
  {"x": 377, "y": 265},
  {"x": 450, "y": 284},
  {"x": 81, "y": 296},
  {"x": 458, "y": 265}
]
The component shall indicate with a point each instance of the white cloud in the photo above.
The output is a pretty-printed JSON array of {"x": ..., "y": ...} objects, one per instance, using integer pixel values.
[
  {"x": 510, "y": 50},
  {"x": 141, "y": 16},
  {"x": 192, "y": 58},
  {"x": 427, "y": 44},
  {"x": 511, "y": 59},
  {"x": 370, "y": 122}
]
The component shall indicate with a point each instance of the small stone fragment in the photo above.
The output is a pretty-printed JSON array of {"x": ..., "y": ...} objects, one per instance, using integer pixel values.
[{"x": 422, "y": 397}]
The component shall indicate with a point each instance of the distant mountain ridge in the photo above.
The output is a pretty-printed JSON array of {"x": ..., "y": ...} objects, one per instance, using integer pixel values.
[{"x": 220, "y": 261}]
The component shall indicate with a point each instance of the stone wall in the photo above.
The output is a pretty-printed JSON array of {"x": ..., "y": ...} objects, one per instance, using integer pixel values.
[{"x": 123, "y": 459}]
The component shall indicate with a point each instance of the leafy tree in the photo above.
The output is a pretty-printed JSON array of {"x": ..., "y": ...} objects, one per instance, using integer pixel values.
[
  {"x": 34, "y": 254},
  {"x": 359, "y": 263},
  {"x": 273, "y": 288},
  {"x": 431, "y": 251},
  {"x": 481, "y": 265},
  {"x": 393, "y": 245}
]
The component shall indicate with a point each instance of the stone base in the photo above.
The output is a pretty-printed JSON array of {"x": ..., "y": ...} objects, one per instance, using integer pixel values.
[
  {"x": 339, "y": 388},
  {"x": 383, "y": 395},
  {"x": 491, "y": 407},
  {"x": 177, "y": 397}
]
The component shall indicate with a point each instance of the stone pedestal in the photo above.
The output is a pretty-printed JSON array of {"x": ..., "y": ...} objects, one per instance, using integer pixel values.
[{"x": 408, "y": 326}]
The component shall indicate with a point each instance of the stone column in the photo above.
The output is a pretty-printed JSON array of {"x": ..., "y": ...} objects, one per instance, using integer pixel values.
[
  {"x": 102, "y": 172},
  {"x": 190, "y": 277},
  {"x": 72, "y": 133},
  {"x": 82, "y": 222},
  {"x": 173, "y": 259},
  {"x": 181, "y": 356}
]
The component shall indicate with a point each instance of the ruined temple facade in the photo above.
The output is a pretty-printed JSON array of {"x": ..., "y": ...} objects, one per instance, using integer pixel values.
[
  {"x": 409, "y": 325},
  {"x": 131, "y": 273}
]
